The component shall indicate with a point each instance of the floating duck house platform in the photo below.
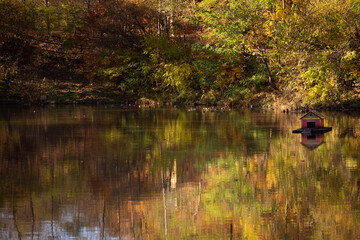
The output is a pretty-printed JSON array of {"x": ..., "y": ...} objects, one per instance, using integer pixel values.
[{"x": 312, "y": 123}]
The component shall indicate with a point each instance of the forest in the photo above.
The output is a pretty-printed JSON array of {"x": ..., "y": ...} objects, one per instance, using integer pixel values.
[{"x": 183, "y": 52}]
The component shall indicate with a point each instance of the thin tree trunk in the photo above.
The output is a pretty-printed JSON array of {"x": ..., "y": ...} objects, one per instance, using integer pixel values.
[
  {"x": 15, "y": 223},
  {"x": 103, "y": 221},
  {"x": 164, "y": 201},
  {"x": 118, "y": 199},
  {"x": 159, "y": 17},
  {"x": 283, "y": 5},
  {"x": 268, "y": 72},
  {"x": 32, "y": 216},
  {"x": 262, "y": 52},
  {"x": 199, "y": 200},
  {"x": 47, "y": 17},
  {"x": 14, "y": 214}
]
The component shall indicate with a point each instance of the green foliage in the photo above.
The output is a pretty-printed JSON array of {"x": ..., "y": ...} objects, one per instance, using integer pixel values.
[
  {"x": 318, "y": 52},
  {"x": 210, "y": 51},
  {"x": 73, "y": 15},
  {"x": 207, "y": 67},
  {"x": 129, "y": 70},
  {"x": 177, "y": 76},
  {"x": 237, "y": 96},
  {"x": 161, "y": 48},
  {"x": 49, "y": 18},
  {"x": 174, "y": 74},
  {"x": 209, "y": 97},
  {"x": 321, "y": 82},
  {"x": 231, "y": 78},
  {"x": 16, "y": 18},
  {"x": 241, "y": 28},
  {"x": 65, "y": 97}
]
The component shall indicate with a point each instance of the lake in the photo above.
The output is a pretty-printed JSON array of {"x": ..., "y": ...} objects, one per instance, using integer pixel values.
[{"x": 102, "y": 172}]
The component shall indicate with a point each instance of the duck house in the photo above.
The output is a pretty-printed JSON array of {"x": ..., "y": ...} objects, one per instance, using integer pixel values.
[
  {"x": 312, "y": 123},
  {"x": 312, "y": 119}
]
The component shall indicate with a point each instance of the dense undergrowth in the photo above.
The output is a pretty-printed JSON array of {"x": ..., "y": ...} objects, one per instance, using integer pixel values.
[{"x": 208, "y": 52}]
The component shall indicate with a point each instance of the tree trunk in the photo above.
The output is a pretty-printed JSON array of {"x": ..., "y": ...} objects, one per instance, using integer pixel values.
[
  {"x": 159, "y": 17},
  {"x": 47, "y": 17},
  {"x": 283, "y": 5},
  {"x": 268, "y": 72}
]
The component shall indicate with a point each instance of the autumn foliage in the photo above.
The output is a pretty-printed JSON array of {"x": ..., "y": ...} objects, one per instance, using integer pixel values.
[{"x": 203, "y": 52}]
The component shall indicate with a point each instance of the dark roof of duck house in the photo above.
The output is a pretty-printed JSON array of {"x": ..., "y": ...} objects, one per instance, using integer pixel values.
[{"x": 314, "y": 113}]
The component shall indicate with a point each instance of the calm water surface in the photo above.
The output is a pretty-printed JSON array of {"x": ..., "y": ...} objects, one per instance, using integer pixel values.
[{"x": 108, "y": 173}]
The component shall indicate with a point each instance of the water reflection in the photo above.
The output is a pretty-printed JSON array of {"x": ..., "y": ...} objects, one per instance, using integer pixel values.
[
  {"x": 106, "y": 173},
  {"x": 312, "y": 141}
]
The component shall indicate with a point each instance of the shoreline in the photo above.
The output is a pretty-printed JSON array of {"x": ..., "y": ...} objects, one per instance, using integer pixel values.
[{"x": 218, "y": 107}]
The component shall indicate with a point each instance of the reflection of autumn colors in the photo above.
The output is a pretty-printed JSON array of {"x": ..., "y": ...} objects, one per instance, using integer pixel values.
[{"x": 100, "y": 173}]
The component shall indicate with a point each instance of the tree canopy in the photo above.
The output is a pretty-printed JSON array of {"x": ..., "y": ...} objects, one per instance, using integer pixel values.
[{"x": 185, "y": 52}]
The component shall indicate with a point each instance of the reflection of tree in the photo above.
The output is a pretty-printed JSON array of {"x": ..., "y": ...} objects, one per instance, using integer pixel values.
[
  {"x": 15, "y": 222},
  {"x": 173, "y": 174}
]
